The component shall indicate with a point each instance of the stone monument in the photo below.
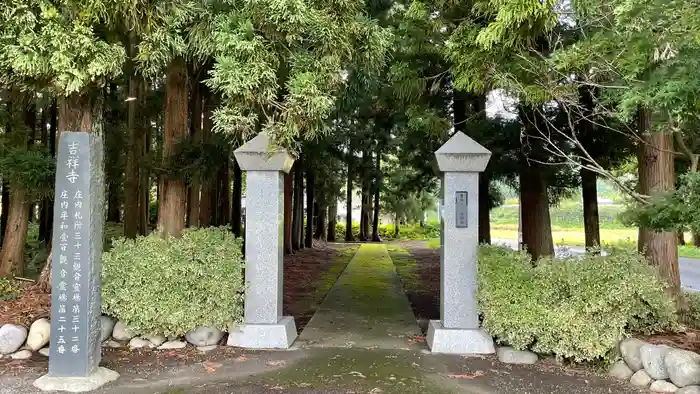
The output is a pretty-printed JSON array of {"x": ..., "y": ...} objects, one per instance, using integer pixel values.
[
  {"x": 75, "y": 277},
  {"x": 461, "y": 160},
  {"x": 264, "y": 326}
]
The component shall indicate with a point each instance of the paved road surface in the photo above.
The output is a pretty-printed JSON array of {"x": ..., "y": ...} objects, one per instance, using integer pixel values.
[{"x": 689, "y": 268}]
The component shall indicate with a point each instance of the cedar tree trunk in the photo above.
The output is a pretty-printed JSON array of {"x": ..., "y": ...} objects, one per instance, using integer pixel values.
[
  {"x": 657, "y": 176},
  {"x": 196, "y": 136},
  {"x": 536, "y": 223},
  {"x": 171, "y": 212},
  {"x": 589, "y": 193},
  {"x": 205, "y": 199}
]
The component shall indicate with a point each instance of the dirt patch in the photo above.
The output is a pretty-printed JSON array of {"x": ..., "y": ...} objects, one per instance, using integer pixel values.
[
  {"x": 688, "y": 340},
  {"x": 418, "y": 267},
  {"x": 31, "y": 304}
]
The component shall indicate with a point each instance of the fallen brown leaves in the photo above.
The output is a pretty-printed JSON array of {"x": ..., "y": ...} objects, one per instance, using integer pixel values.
[
  {"x": 211, "y": 367},
  {"x": 688, "y": 340},
  {"x": 468, "y": 376},
  {"x": 31, "y": 305}
]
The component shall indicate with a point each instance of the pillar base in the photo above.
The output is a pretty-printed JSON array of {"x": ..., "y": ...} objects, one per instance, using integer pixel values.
[
  {"x": 264, "y": 336},
  {"x": 458, "y": 340},
  {"x": 93, "y": 382}
]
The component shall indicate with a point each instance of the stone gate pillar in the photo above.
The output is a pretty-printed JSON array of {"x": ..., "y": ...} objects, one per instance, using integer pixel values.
[
  {"x": 264, "y": 326},
  {"x": 461, "y": 160}
]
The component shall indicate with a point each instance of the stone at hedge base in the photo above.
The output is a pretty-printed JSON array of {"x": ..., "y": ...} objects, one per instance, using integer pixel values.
[
  {"x": 75, "y": 351},
  {"x": 461, "y": 159},
  {"x": 264, "y": 326}
]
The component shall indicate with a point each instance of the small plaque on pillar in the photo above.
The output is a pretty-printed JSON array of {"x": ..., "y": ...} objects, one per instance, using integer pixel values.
[
  {"x": 461, "y": 209},
  {"x": 75, "y": 277}
]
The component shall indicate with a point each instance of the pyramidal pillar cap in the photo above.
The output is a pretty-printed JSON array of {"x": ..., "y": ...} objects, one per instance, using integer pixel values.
[
  {"x": 259, "y": 154},
  {"x": 462, "y": 154}
]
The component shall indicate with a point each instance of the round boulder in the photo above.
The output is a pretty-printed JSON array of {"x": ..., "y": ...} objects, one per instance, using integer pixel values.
[
  {"x": 509, "y": 355},
  {"x": 630, "y": 351},
  {"x": 156, "y": 340},
  {"x": 44, "y": 351},
  {"x": 111, "y": 344},
  {"x": 137, "y": 343},
  {"x": 683, "y": 367},
  {"x": 662, "y": 386},
  {"x": 653, "y": 360},
  {"x": 172, "y": 345},
  {"x": 22, "y": 355},
  {"x": 640, "y": 379},
  {"x": 106, "y": 327},
  {"x": 39, "y": 334},
  {"x": 12, "y": 337},
  {"x": 204, "y": 336},
  {"x": 689, "y": 390},
  {"x": 620, "y": 371},
  {"x": 121, "y": 332}
]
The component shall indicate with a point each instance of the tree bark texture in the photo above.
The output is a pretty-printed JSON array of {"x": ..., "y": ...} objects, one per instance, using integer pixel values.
[
  {"x": 5, "y": 212},
  {"x": 536, "y": 223},
  {"x": 484, "y": 209},
  {"x": 591, "y": 221},
  {"x": 171, "y": 212},
  {"x": 207, "y": 188},
  {"x": 656, "y": 176},
  {"x": 193, "y": 191},
  {"x": 133, "y": 158},
  {"x": 12, "y": 254}
]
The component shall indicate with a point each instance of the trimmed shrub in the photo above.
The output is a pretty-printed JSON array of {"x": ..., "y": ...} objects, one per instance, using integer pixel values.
[
  {"x": 573, "y": 308},
  {"x": 691, "y": 315},
  {"x": 171, "y": 286}
]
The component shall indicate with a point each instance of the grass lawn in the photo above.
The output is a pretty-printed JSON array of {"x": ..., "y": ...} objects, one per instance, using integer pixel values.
[{"x": 576, "y": 237}]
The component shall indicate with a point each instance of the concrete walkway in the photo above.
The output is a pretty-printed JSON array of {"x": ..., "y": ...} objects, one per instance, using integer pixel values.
[{"x": 366, "y": 307}]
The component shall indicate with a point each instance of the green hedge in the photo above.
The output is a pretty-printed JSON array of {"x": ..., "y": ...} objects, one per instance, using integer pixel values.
[
  {"x": 573, "y": 308},
  {"x": 387, "y": 231},
  {"x": 170, "y": 286}
]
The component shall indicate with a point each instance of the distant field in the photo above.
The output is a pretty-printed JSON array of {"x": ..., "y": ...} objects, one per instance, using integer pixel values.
[
  {"x": 567, "y": 215},
  {"x": 567, "y": 226}
]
